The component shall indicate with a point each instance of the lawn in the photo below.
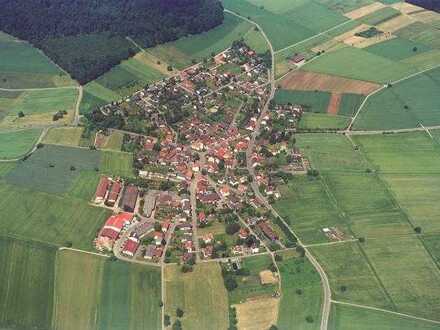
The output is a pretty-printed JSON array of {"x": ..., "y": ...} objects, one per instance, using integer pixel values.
[
  {"x": 404, "y": 105},
  {"x": 180, "y": 53},
  {"x": 16, "y": 143},
  {"x": 26, "y": 291},
  {"x": 68, "y": 136},
  {"x": 363, "y": 66},
  {"x": 117, "y": 163},
  {"x": 322, "y": 121},
  {"x": 77, "y": 306},
  {"x": 313, "y": 101},
  {"x": 130, "y": 297},
  {"x": 200, "y": 294},
  {"x": 301, "y": 293},
  {"x": 354, "y": 318},
  {"x": 49, "y": 218},
  {"x": 23, "y": 66}
]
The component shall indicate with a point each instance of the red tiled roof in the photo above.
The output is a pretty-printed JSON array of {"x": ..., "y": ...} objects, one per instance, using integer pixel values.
[{"x": 103, "y": 185}]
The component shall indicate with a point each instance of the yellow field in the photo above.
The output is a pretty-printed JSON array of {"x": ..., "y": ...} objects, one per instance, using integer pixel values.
[
  {"x": 68, "y": 136},
  {"x": 201, "y": 294},
  {"x": 363, "y": 11},
  {"x": 257, "y": 314}
]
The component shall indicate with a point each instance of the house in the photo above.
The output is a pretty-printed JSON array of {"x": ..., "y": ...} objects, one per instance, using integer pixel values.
[
  {"x": 165, "y": 226},
  {"x": 243, "y": 233},
  {"x": 114, "y": 193},
  {"x": 129, "y": 198},
  {"x": 207, "y": 251},
  {"x": 202, "y": 217},
  {"x": 114, "y": 225},
  {"x": 208, "y": 238},
  {"x": 224, "y": 191},
  {"x": 149, "y": 252},
  {"x": 267, "y": 231},
  {"x": 130, "y": 246},
  {"x": 297, "y": 59},
  {"x": 102, "y": 188}
]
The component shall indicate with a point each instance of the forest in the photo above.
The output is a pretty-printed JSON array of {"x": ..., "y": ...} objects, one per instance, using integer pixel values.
[{"x": 87, "y": 37}]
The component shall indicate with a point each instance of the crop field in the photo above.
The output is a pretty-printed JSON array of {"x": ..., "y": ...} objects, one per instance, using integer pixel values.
[
  {"x": 365, "y": 10},
  {"x": 397, "y": 49},
  {"x": 117, "y": 163},
  {"x": 130, "y": 297},
  {"x": 16, "y": 143},
  {"x": 255, "y": 40},
  {"x": 53, "y": 168},
  {"x": 310, "y": 81},
  {"x": 204, "y": 302},
  {"x": 405, "y": 105},
  {"x": 364, "y": 66},
  {"x": 313, "y": 101},
  {"x": 26, "y": 292},
  {"x": 301, "y": 293},
  {"x": 350, "y": 103},
  {"x": 76, "y": 306},
  {"x": 322, "y": 121},
  {"x": 180, "y": 53},
  {"x": 380, "y": 16},
  {"x": 257, "y": 314},
  {"x": 23, "y": 66},
  {"x": 354, "y": 318},
  {"x": 345, "y": 5},
  {"x": 422, "y": 33},
  {"x": 84, "y": 185},
  {"x": 68, "y": 136}
]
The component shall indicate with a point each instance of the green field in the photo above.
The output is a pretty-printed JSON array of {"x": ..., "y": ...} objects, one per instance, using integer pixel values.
[
  {"x": 26, "y": 292},
  {"x": 68, "y": 136},
  {"x": 380, "y": 16},
  {"x": 256, "y": 41},
  {"x": 363, "y": 66},
  {"x": 354, "y": 318},
  {"x": 350, "y": 103},
  {"x": 322, "y": 121},
  {"x": 96, "y": 95},
  {"x": 345, "y": 5},
  {"x": 16, "y": 143},
  {"x": 405, "y": 105},
  {"x": 200, "y": 294},
  {"x": 23, "y": 66},
  {"x": 422, "y": 33},
  {"x": 301, "y": 293},
  {"x": 313, "y": 101}
]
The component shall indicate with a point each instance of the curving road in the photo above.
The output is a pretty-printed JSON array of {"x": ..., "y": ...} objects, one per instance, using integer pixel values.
[{"x": 325, "y": 311}]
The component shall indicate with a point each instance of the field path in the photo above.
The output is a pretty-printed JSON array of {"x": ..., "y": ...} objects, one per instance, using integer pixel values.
[
  {"x": 76, "y": 115},
  {"x": 326, "y": 305},
  {"x": 385, "y": 311},
  {"x": 38, "y": 89}
]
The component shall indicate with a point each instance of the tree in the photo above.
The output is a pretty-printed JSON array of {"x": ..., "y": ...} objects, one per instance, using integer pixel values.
[
  {"x": 230, "y": 283},
  {"x": 179, "y": 312},
  {"x": 414, "y": 49},
  {"x": 21, "y": 114},
  {"x": 167, "y": 320},
  {"x": 169, "y": 68},
  {"x": 232, "y": 228},
  {"x": 300, "y": 250},
  {"x": 309, "y": 319},
  {"x": 273, "y": 327},
  {"x": 177, "y": 325},
  {"x": 418, "y": 230}
]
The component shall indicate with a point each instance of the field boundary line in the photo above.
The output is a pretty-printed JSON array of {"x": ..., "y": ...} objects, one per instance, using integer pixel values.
[
  {"x": 64, "y": 248},
  {"x": 33, "y": 148},
  {"x": 350, "y": 127},
  {"x": 38, "y": 89},
  {"x": 384, "y": 311},
  {"x": 314, "y": 36},
  {"x": 354, "y": 240}
]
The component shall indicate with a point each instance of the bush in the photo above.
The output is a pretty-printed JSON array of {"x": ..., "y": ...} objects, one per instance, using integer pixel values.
[
  {"x": 309, "y": 319},
  {"x": 179, "y": 312},
  {"x": 230, "y": 283}
]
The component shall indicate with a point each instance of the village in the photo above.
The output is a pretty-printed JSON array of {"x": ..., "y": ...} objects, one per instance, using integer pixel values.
[{"x": 190, "y": 134}]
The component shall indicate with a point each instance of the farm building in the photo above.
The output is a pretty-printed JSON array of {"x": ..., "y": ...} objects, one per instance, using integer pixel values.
[
  {"x": 101, "y": 189},
  {"x": 297, "y": 59},
  {"x": 130, "y": 246},
  {"x": 114, "y": 193},
  {"x": 111, "y": 230},
  {"x": 268, "y": 231},
  {"x": 129, "y": 198}
]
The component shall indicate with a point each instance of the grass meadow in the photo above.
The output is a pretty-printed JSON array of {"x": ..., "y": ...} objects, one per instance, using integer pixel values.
[
  {"x": 201, "y": 295},
  {"x": 322, "y": 121},
  {"x": 15, "y": 144},
  {"x": 313, "y": 101},
  {"x": 301, "y": 293},
  {"x": 67, "y": 136}
]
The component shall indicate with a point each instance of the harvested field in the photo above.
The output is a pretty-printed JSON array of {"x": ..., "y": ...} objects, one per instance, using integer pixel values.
[
  {"x": 303, "y": 80},
  {"x": 335, "y": 102},
  {"x": 267, "y": 277},
  {"x": 363, "y": 11},
  {"x": 395, "y": 24},
  {"x": 257, "y": 314}
]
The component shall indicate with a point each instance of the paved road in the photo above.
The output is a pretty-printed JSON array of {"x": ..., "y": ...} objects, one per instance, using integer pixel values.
[{"x": 324, "y": 280}]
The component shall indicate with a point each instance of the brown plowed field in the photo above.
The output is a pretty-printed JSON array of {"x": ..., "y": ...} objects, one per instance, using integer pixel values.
[
  {"x": 310, "y": 81},
  {"x": 333, "y": 105}
]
